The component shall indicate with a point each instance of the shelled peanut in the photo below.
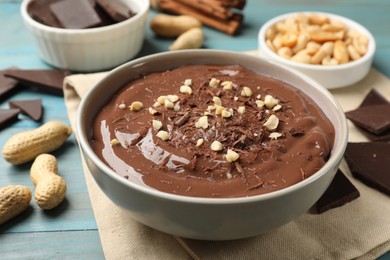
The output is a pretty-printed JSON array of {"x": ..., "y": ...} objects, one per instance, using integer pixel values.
[
  {"x": 172, "y": 26},
  {"x": 186, "y": 29},
  {"x": 26, "y": 146},
  {"x": 14, "y": 199},
  {"x": 50, "y": 188},
  {"x": 316, "y": 39}
]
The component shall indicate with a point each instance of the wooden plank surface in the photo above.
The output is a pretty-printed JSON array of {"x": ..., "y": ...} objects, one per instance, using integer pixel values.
[{"x": 70, "y": 231}]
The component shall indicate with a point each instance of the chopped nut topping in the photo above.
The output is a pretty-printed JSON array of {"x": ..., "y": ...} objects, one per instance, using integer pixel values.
[
  {"x": 258, "y": 96},
  {"x": 168, "y": 104},
  {"x": 114, "y": 142},
  {"x": 163, "y": 135},
  {"x": 270, "y": 101},
  {"x": 235, "y": 98},
  {"x": 218, "y": 109},
  {"x": 210, "y": 108},
  {"x": 156, "y": 104},
  {"x": 227, "y": 85},
  {"x": 232, "y": 156},
  {"x": 203, "y": 122},
  {"x": 199, "y": 142},
  {"x": 241, "y": 110},
  {"x": 217, "y": 101},
  {"x": 152, "y": 111},
  {"x": 274, "y": 136},
  {"x": 122, "y": 106},
  {"x": 185, "y": 89},
  {"x": 272, "y": 122},
  {"x": 214, "y": 82},
  {"x": 246, "y": 92},
  {"x": 173, "y": 98},
  {"x": 216, "y": 146},
  {"x": 188, "y": 82},
  {"x": 259, "y": 103},
  {"x": 157, "y": 125},
  {"x": 136, "y": 106},
  {"x": 277, "y": 107},
  {"x": 161, "y": 99},
  {"x": 177, "y": 106},
  {"x": 225, "y": 113},
  {"x": 229, "y": 175}
]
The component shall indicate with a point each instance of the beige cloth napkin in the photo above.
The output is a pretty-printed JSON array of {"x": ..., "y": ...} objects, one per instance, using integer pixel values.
[{"x": 360, "y": 229}]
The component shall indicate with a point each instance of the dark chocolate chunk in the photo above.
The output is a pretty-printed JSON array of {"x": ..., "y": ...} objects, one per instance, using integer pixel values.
[
  {"x": 370, "y": 163},
  {"x": 339, "y": 192},
  {"x": 374, "y": 98},
  {"x": 75, "y": 14},
  {"x": 106, "y": 19},
  {"x": 40, "y": 12},
  {"x": 7, "y": 85},
  {"x": 115, "y": 9},
  {"x": 8, "y": 116},
  {"x": 46, "y": 80},
  {"x": 373, "y": 118},
  {"x": 32, "y": 108},
  {"x": 383, "y": 137}
]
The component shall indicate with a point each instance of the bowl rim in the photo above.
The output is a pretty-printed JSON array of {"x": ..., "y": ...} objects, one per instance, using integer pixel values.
[
  {"x": 347, "y": 21},
  {"x": 336, "y": 157},
  {"x": 144, "y": 8}
]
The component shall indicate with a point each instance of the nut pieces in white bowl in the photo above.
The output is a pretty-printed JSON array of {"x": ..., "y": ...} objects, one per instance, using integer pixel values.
[{"x": 331, "y": 49}]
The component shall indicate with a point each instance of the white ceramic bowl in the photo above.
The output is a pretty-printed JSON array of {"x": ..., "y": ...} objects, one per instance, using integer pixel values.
[
  {"x": 331, "y": 77},
  {"x": 91, "y": 49},
  {"x": 209, "y": 218}
]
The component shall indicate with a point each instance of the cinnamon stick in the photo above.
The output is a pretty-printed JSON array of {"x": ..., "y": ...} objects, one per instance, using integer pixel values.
[
  {"x": 239, "y": 4},
  {"x": 229, "y": 26},
  {"x": 212, "y": 7}
]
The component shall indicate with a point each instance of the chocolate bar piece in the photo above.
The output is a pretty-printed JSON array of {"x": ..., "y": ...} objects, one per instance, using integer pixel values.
[
  {"x": 7, "y": 85},
  {"x": 374, "y": 98},
  {"x": 8, "y": 116},
  {"x": 32, "y": 108},
  {"x": 373, "y": 118},
  {"x": 116, "y": 9},
  {"x": 40, "y": 12},
  {"x": 75, "y": 14},
  {"x": 370, "y": 163},
  {"x": 46, "y": 80},
  {"x": 340, "y": 192}
]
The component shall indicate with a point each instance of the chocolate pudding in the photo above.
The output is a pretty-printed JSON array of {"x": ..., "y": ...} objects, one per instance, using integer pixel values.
[{"x": 212, "y": 131}]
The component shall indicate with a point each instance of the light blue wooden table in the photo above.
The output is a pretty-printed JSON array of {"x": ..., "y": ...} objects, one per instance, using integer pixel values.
[{"x": 70, "y": 231}]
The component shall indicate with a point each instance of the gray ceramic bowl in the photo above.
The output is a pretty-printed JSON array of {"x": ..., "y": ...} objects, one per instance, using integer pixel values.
[{"x": 209, "y": 218}]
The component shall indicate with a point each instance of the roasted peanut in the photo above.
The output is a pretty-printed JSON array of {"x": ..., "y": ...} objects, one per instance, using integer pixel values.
[
  {"x": 26, "y": 146},
  {"x": 340, "y": 52},
  {"x": 353, "y": 53},
  {"x": 328, "y": 61},
  {"x": 14, "y": 199},
  {"x": 325, "y": 50},
  {"x": 285, "y": 52},
  {"x": 171, "y": 26},
  {"x": 302, "y": 57},
  {"x": 50, "y": 188}
]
